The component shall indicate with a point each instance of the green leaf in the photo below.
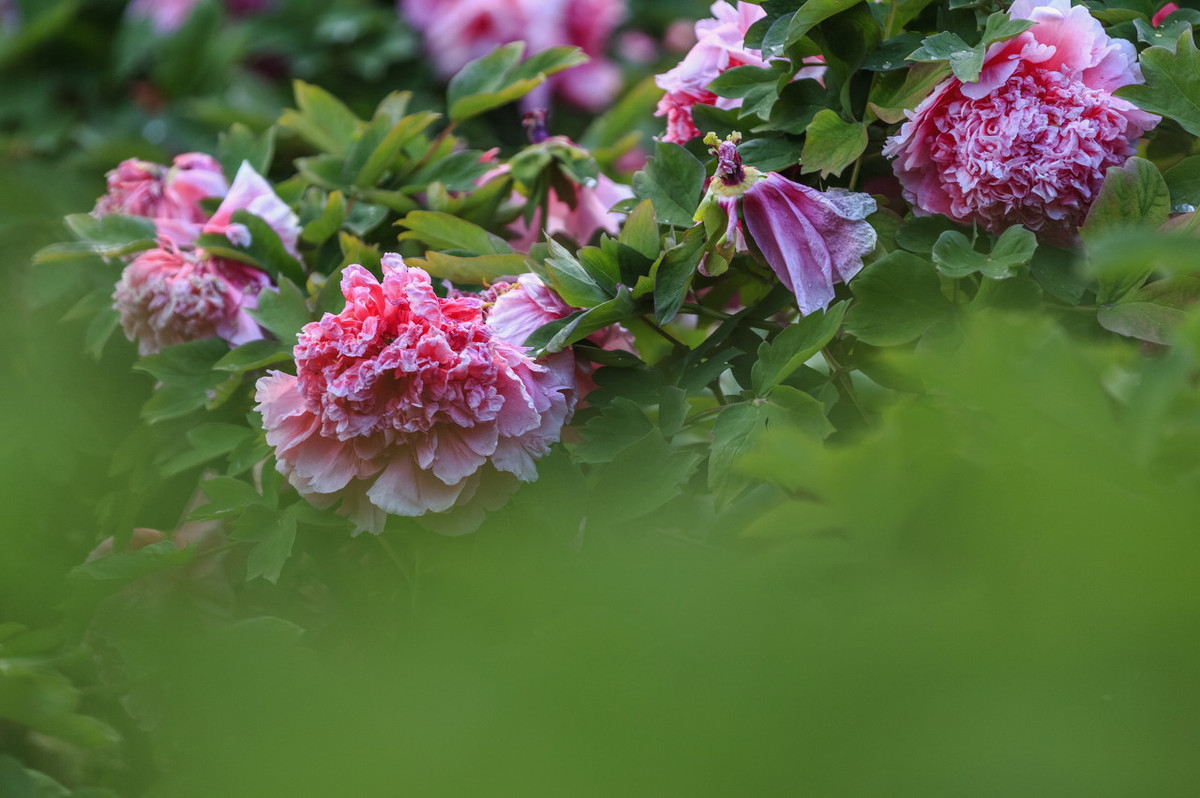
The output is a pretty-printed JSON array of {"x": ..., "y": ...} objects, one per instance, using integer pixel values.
[
  {"x": 570, "y": 280},
  {"x": 443, "y": 231},
  {"x": 1172, "y": 86},
  {"x": 640, "y": 231},
  {"x": 557, "y": 335},
  {"x": 254, "y": 355},
  {"x": 792, "y": 347},
  {"x": 273, "y": 535},
  {"x": 897, "y": 92},
  {"x": 1154, "y": 311},
  {"x": 1132, "y": 197},
  {"x": 1183, "y": 181},
  {"x": 109, "y": 236},
  {"x": 130, "y": 565},
  {"x": 740, "y": 426},
  {"x": 208, "y": 441},
  {"x": 228, "y": 495},
  {"x": 326, "y": 225},
  {"x": 954, "y": 255},
  {"x": 757, "y": 86},
  {"x": 831, "y": 144},
  {"x": 673, "y": 180},
  {"x": 499, "y": 77},
  {"x": 966, "y": 61},
  {"x": 771, "y": 153},
  {"x": 185, "y": 363},
  {"x": 380, "y": 145},
  {"x": 606, "y": 435},
  {"x": 898, "y": 298},
  {"x": 283, "y": 312},
  {"x": 322, "y": 120},
  {"x": 811, "y": 14},
  {"x": 473, "y": 270},
  {"x": 674, "y": 274},
  {"x": 239, "y": 144},
  {"x": 642, "y": 478}
]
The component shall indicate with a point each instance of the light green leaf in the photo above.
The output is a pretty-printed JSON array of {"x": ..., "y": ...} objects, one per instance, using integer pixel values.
[
  {"x": 954, "y": 255},
  {"x": 1172, "y": 86},
  {"x": 831, "y": 144},
  {"x": 443, "y": 231},
  {"x": 472, "y": 270}
]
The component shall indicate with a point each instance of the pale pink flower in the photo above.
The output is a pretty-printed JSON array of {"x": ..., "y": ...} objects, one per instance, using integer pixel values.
[
  {"x": 251, "y": 192},
  {"x": 720, "y": 45},
  {"x": 167, "y": 296},
  {"x": 811, "y": 239},
  {"x": 458, "y": 31},
  {"x": 1028, "y": 143},
  {"x": 408, "y": 403}
]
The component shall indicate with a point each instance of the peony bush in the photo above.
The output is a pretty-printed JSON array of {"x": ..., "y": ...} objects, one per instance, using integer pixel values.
[{"x": 574, "y": 397}]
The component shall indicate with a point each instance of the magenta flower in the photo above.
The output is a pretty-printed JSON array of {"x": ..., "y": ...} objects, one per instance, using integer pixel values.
[
  {"x": 251, "y": 192},
  {"x": 167, "y": 296},
  {"x": 169, "y": 196},
  {"x": 408, "y": 403},
  {"x": 1030, "y": 141},
  {"x": 457, "y": 31},
  {"x": 811, "y": 239}
]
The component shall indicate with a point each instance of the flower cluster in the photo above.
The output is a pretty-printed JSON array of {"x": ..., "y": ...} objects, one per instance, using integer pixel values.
[
  {"x": 720, "y": 45},
  {"x": 177, "y": 292},
  {"x": 410, "y": 403},
  {"x": 457, "y": 31},
  {"x": 1030, "y": 141}
]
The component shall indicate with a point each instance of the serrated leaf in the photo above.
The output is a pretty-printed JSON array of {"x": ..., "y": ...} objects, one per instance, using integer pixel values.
[
  {"x": 239, "y": 144},
  {"x": 898, "y": 297},
  {"x": 673, "y": 180},
  {"x": 831, "y": 144},
  {"x": 792, "y": 348},
  {"x": 1172, "y": 86}
]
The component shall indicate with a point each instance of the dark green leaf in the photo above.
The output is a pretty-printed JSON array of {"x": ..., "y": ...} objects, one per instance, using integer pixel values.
[
  {"x": 793, "y": 347},
  {"x": 640, "y": 231},
  {"x": 322, "y": 120},
  {"x": 282, "y": 312},
  {"x": 239, "y": 144},
  {"x": 811, "y": 14},
  {"x": 898, "y": 298},
  {"x": 674, "y": 274},
  {"x": 673, "y": 180},
  {"x": 570, "y": 280}
]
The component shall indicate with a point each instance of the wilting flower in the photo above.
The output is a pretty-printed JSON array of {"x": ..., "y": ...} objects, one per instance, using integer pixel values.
[
  {"x": 457, "y": 31},
  {"x": 408, "y": 403},
  {"x": 169, "y": 196},
  {"x": 1030, "y": 141},
  {"x": 720, "y": 45},
  {"x": 811, "y": 239},
  {"x": 251, "y": 192},
  {"x": 167, "y": 296}
]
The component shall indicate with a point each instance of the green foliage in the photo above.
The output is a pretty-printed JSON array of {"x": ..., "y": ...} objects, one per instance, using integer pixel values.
[
  {"x": 673, "y": 180},
  {"x": 1172, "y": 86}
]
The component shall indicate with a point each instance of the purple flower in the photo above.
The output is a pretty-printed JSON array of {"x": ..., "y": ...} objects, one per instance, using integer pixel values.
[{"x": 811, "y": 239}]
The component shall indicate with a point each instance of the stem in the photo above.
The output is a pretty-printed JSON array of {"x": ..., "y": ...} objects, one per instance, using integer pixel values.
[
  {"x": 703, "y": 310},
  {"x": 842, "y": 378},
  {"x": 672, "y": 339},
  {"x": 854, "y": 173}
]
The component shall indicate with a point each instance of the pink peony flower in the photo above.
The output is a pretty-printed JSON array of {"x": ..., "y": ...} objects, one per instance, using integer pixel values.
[
  {"x": 408, "y": 403},
  {"x": 517, "y": 309},
  {"x": 167, "y": 296},
  {"x": 1030, "y": 141},
  {"x": 169, "y": 196},
  {"x": 720, "y": 45},
  {"x": 811, "y": 239},
  {"x": 458, "y": 31},
  {"x": 251, "y": 192}
]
